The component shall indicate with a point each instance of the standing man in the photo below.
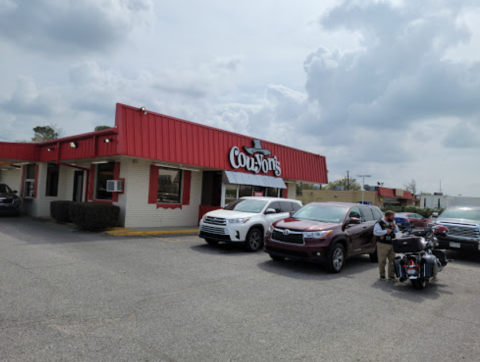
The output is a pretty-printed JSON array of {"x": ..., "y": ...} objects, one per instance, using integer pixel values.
[{"x": 385, "y": 230}]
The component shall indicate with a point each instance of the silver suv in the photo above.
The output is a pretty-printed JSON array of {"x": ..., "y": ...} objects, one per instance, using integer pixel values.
[{"x": 463, "y": 223}]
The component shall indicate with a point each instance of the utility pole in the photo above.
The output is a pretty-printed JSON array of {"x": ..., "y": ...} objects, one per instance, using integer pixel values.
[
  {"x": 348, "y": 180},
  {"x": 363, "y": 185}
]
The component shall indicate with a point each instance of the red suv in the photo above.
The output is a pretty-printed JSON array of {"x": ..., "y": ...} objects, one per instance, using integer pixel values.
[{"x": 325, "y": 232}]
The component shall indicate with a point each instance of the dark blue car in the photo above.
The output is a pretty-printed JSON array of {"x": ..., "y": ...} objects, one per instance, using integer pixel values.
[{"x": 402, "y": 221}]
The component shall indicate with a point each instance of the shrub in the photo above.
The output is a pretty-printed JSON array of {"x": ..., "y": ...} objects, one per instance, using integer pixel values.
[
  {"x": 60, "y": 210},
  {"x": 94, "y": 216}
]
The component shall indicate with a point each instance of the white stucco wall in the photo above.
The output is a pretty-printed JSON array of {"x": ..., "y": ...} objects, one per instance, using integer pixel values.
[{"x": 446, "y": 201}]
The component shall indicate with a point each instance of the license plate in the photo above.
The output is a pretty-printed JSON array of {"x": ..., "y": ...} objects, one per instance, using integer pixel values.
[{"x": 455, "y": 245}]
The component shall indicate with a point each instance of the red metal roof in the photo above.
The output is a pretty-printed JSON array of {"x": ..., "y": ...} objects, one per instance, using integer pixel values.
[
  {"x": 159, "y": 137},
  {"x": 168, "y": 139}
]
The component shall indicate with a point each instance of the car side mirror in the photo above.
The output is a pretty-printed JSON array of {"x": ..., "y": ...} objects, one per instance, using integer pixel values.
[
  {"x": 435, "y": 214},
  {"x": 15, "y": 191},
  {"x": 354, "y": 221},
  {"x": 270, "y": 211}
]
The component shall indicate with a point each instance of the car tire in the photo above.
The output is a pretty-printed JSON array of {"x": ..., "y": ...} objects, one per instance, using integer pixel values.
[
  {"x": 211, "y": 241},
  {"x": 254, "y": 241},
  {"x": 374, "y": 256},
  {"x": 277, "y": 258},
  {"x": 336, "y": 258}
]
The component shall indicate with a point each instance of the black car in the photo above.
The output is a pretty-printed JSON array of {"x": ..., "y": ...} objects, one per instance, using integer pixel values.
[{"x": 10, "y": 203}]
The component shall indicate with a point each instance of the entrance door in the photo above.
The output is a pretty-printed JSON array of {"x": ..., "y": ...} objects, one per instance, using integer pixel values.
[{"x": 78, "y": 186}]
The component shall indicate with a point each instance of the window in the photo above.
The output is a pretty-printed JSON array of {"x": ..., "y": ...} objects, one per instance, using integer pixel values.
[
  {"x": 247, "y": 205},
  {"x": 245, "y": 190},
  {"x": 377, "y": 214},
  {"x": 104, "y": 173},
  {"x": 272, "y": 192},
  {"x": 322, "y": 213},
  {"x": 296, "y": 206},
  {"x": 4, "y": 189},
  {"x": 169, "y": 186},
  {"x": 53, "y": 171},
  {"x": 230, "y": 193},
  {"x": 275, "y": 205},
  {"x": 368, "y": 214},
  {"x": 355, "y": 212},
  {"x": 286, "y": 206}
]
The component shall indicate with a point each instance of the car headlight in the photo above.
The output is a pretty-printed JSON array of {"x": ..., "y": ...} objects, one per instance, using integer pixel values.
[
  {"x": 238, "y": 221},
  {"x": 203, "y": 217},
  {"x": 317, "y": 234}
]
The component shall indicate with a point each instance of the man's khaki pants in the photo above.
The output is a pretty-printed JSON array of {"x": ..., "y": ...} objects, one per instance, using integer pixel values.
[{"x": 385, "y": 251}]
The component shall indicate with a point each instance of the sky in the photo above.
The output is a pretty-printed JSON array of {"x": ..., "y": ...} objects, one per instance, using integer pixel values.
[{"x": 385, "y": 88}]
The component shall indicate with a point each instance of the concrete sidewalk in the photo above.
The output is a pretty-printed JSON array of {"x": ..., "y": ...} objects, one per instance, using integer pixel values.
[{"x": 175, "y": 230}]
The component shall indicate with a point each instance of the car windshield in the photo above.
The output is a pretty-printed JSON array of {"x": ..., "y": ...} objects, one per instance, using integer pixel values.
[
  {"x": 322, "y": 213},
  {"x": 463, "y": 213},
  {"x": 5, "y": 189},
  {"x": 246, "y": 205}
]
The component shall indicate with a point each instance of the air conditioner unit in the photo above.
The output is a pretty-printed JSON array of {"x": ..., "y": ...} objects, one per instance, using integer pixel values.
[{"x": 115, "y": 185}]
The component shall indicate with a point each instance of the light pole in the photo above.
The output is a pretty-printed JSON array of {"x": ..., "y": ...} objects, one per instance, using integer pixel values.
[{"x": 363, "y": 185}]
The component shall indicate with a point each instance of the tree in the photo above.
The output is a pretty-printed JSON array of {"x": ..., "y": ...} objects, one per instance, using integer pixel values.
[
  {"x": 412, "y": 187},
  {"x": 347, "y": 184},
  {"x": 46, "y": 133},
  {"x": 99, "y": 128}
]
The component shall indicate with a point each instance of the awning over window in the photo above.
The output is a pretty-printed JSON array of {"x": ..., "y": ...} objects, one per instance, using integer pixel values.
[{"x": 240, "y": 178}]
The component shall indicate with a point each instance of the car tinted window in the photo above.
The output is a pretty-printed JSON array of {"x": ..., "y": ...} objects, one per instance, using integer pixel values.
[
  {"x": 275, "y": 205},
  {"x": 355, "y": 212},
  {"x": 246, "y": 205},
  {"x": 377, "y": 214},
  {"x": 296, "y": 206},
  {"x": 367, "y": 214},
  {"x": 321, "y": 212},
  {"x": 5, "y": 189},
  {"x": 286, "y": 206}
]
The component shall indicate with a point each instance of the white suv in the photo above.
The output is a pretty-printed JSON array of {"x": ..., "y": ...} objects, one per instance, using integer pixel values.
[{"x": 245, "y": 220}]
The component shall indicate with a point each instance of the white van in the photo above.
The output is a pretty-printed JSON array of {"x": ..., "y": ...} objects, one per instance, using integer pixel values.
[{"x": 246, "y": 220}]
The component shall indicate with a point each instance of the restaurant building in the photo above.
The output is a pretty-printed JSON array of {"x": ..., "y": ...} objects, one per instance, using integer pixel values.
[{"x": 161, "y": 171}]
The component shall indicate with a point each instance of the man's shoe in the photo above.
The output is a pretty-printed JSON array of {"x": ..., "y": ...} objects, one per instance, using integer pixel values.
[{"x": 382, "y": 277}]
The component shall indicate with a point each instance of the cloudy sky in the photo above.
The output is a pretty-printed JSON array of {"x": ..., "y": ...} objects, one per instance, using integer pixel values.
[{"x": 386, "y": 88}]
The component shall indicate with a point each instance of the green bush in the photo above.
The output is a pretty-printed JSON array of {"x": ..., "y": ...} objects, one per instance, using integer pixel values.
[
  {"x": 93, "y": 216},
  {"x": 60, "y": 210},
  {"x": 426, "y": 212}
]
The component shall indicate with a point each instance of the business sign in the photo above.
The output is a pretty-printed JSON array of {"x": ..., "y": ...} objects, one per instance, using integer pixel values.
[
  {"x": 254, "y": 159},
  {"x": 258, "y": 193}
]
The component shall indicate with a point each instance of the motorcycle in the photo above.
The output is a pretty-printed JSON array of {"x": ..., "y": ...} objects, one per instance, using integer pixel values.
[{"x": 420, "y": 262}]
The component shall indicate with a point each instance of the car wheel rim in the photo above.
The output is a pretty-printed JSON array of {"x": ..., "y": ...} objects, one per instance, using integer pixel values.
[
  {"x": 338, "y": 259},
  {"x": 255, "y": 240}
]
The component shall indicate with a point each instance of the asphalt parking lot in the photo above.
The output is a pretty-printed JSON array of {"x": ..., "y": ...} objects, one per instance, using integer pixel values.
[{"x": 72, "y": 296}]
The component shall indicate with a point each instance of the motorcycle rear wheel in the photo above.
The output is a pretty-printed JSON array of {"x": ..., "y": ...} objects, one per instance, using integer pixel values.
[{"x": 419, "y": 283}]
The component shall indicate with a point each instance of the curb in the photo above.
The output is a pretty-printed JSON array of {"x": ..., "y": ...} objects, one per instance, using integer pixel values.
[{"x": 130, "y": 232}]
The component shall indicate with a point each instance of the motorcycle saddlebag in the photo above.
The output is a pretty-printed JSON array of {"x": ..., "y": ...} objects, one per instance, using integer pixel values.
[
  {"x": 429, "y": 266},
  {"x": 441, "y": 256},
  {"x": 399, "y": 269},
  {"x": 408, "y": 245}
]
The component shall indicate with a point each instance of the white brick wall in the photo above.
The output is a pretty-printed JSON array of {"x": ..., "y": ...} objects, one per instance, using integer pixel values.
[
  {"x": 13, "y": 178},
  {"x": 40, "y": 206},
  {"x": 139, "y": 213}
]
